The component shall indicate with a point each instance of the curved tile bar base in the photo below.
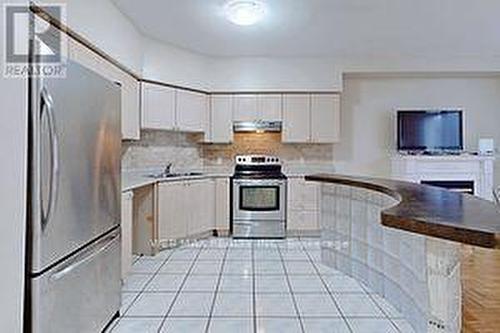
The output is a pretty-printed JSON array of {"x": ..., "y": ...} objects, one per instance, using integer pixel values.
[{"x": 418, "y": 275}]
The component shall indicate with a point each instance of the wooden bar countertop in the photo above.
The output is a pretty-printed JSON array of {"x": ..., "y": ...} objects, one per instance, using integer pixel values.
[{"x": 431, "y": 211}]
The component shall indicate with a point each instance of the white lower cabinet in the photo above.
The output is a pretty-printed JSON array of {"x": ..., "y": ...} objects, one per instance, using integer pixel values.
[
  {"x": 200, "y": 199},
  {"x": 173, "y": 213},
  {"x": 126, "y": 231},
  {"x": 303, "y": 205},
  {"x": 185, "y": 209},
  {"x": 306, "y": 220},
  {"x": 222, "y": 204}
]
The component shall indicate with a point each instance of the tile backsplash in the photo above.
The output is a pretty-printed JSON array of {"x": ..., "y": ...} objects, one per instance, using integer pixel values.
[
  {"x": 270, "y": 144},
  {"x": 156, "y": 148}
]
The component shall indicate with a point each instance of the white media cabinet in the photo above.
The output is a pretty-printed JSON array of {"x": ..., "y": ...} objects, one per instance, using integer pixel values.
[{"x": 446, "y": 168}]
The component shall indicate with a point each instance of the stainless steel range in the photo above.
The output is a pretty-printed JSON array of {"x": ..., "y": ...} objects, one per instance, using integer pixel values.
[{"x": 258, "y": 195}]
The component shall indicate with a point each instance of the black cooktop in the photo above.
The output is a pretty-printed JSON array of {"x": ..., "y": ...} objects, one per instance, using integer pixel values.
[{"x": 258, "y": 172}]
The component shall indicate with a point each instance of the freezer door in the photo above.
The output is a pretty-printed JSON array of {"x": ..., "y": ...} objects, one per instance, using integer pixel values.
[
  {"x": 75, "y": 163},
  {"x": 81, "y": 294}
]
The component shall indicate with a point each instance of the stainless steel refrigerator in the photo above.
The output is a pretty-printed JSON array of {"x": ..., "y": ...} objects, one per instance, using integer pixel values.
[{"x": 73, "y": 253}]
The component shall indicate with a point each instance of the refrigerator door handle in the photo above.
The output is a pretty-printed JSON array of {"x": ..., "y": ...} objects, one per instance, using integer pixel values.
[
  {"x": 48, "y": 107},
  {"x": 107, "y": 242}
]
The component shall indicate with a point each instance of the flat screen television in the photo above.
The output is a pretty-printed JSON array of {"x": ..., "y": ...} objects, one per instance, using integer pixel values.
[{"x": 434, "y": 131}]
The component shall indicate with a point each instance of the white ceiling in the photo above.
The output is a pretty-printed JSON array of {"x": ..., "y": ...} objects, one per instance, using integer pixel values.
[{"x": 325, "y": 27}]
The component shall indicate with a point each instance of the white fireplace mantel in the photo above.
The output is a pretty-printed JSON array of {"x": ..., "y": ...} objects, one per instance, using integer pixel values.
[{"x": 417, "y": 168}]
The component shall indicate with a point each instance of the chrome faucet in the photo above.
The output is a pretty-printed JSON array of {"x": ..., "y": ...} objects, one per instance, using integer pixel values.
[{"x": 168, "y": 169}]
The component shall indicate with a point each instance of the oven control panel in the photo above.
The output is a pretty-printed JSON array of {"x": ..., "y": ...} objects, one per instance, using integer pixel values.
[{"x": 257, "y": 160}]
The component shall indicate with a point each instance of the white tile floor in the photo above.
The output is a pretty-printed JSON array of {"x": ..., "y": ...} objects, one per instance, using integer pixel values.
[{"x": 224, "y": 285}]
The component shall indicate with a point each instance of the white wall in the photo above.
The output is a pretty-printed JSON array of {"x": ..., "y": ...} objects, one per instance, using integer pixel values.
[
  {"x": 166, "y": 63},
  {"x": 368, "y": 123},
  {"x": 178, "y": 66},
  {"x": 13, "y": 201},
  {"x": 268, "y": 74},
  {"x": 423, "y": 63},
  {"x": 13, "y": 129},
  {"x": 106, "y": 27}
]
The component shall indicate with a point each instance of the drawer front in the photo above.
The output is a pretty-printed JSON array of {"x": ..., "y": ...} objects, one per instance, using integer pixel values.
[
  {"x": 303, "y": 220},
  {"x": 260, "y": 229}
]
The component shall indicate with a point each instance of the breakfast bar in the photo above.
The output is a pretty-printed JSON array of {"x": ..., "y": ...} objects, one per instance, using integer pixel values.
[{"x": 402, "y": 240}]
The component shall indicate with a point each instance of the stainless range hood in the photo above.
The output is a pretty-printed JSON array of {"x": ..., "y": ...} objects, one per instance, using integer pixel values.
[{"x": 257, "y": 126}]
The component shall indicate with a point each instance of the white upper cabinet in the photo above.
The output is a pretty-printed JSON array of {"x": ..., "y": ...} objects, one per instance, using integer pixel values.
[
  {"x": 131, "y": 108},
  {"x": 245, "y": 108},
  {"x": 158, "y": 106},
  {"x": 325, "y": 118},
  {"x": 269, "y": 107},
  {"x": 129, "y": 86},
  {"x": 296, "y": 118},
  {"x": 169, "y": 108},
  {"x": 192, "y": 111},
  {"x": 311, "y": 118},
  {"x": 221, "y": 119},
  {"x": 250, "y": 107}
]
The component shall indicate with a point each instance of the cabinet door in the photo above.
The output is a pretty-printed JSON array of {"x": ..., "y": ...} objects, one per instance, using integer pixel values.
[
  {"x": 131, "y": 108},
  {"x": 325, "y": 118},
  {"x": 207, "y": 205},
  {"x": 222, "y": 204},
  {"x": 126, "y": 229},
  {"x": 295, "y": 194},
  {"x": 303, "y": 203},
  {"x": 306, "y": 220},
  {"x": 245, "y": 108},
  {"x": 303, "y": 195},
  {"x": 158, "y": 107},
  {"x": 269, "y": 107},
  {"x": 196, "y": 197},
  {"x": 221, "y": 119},
  {"x": 296, "y": 118},
  {"x": 192, "y": 111},
  {"x": 145, "y": 221},
  {"x": 172, "y": 211}
]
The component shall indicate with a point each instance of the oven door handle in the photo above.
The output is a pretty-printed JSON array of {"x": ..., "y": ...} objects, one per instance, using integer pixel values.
[{"x": 259, "y": 182}]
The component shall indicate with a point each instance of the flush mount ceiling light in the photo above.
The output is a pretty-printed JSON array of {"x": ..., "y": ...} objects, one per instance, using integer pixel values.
[{"x": 244, "y": 12}]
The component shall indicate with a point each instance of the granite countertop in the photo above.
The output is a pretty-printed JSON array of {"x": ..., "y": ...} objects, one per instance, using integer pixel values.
[
  {"x": 136, "y": 178},
  {"x": 301, "y": 169},
  {"x": 431, "y": 211},
  {"x": 133, "y": 179}
]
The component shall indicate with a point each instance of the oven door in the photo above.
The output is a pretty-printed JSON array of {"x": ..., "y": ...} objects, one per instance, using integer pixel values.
[{"x": 259, "y": 199}]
